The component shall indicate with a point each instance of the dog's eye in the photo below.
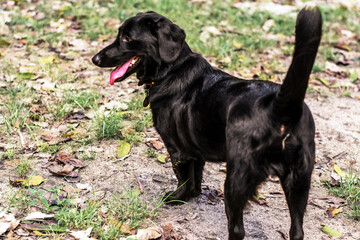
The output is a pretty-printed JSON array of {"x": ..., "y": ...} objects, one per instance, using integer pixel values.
[{"x": 126, "y": 38}]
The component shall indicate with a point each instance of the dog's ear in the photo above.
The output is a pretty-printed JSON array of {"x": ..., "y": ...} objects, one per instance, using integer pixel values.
[{"x": 171, "y": 39}]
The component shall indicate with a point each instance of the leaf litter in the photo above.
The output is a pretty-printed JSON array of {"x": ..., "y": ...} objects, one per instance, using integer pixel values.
[{"x": 77, "y": 50}]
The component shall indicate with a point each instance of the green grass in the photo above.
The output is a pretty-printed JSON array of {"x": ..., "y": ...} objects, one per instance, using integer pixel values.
[
  {"x": 44, "y": 147},
  {"x": 349, "y": 189},
  {"x": 15, "y": 108},
  {"x": 108, "y": 217},
  {"x": 109, "y": 125},
  {"x": 23, "y": 167},
  {"x": 70, "y": 100}
]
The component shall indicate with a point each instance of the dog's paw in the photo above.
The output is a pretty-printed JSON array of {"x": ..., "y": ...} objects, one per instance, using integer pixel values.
[{"x": 173, "y": 198}]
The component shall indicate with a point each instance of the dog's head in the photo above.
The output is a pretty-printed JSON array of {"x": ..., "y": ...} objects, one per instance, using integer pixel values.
[{"x": 144, "y": 43}]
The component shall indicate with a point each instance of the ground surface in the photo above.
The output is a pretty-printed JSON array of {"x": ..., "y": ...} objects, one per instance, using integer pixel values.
[{"x": 335, "y": 105}]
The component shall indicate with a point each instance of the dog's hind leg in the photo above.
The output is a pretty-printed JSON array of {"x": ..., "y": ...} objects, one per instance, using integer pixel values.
[
  {"x": 296, "y": 185},
  {"x": 198, "y": 173},
  {"x": 240, "y": 186}
]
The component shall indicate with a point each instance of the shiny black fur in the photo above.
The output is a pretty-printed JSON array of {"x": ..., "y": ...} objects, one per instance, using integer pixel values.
[{"x": 204, "y": 114}]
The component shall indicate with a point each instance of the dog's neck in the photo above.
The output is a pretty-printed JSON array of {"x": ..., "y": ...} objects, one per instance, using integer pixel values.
[{"x": 156, "y": 74}]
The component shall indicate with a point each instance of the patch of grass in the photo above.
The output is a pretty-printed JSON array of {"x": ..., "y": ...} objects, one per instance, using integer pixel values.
[
  {"x": 71, "y": 100},
  {"x": 109, "y": 125},
  {"x": 8, "y": 154},
  {"x": 151, "y": 153},
  {"x": 90, "y": 156},
  {"x": 46, "y": 148},
  {"x": 317, "y": 68},
  {"x": 16, "y": 107},
  {"x": 23, "y": 167},
  {"x": 349, "y": 189},
  {"x": 110, "y": 218},
  {"x": 84, "y": 100},
  {"x": 130, "y": 136},
  {"x": 144, "y": 120}
]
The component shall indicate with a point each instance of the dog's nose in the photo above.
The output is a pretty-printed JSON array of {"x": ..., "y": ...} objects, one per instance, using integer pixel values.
[{"x": 96, "y": 59}]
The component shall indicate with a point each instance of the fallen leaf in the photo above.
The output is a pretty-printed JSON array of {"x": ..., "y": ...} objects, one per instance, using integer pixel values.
[
  {"x": 332, "y": 211},
  {"x": 211, "y": 29},
  {"x": 66, "y": 158},
  {"x": 73, "y": 117},
  {"x": 31, "y": 181},
  {"x": 260, "y": 199},
  {"x": 338, "y": 170},
  {"x": 4, "y": 43},
  {"x": 343, "y": 46},
  {"x": 38, "y": 215},
  {"x": 8, "y": 222},
  {"x": 161, "y": 158},
  {"x": 48, "y": 60},
  {"x": 326, "y": 83},
  {"x": 84, "y": 186},
  {"x": 268, "y": 24},
  {"x": 237, "y": 45},
  {"x": 40, "y": 234},
  {"x": 123, "y": 149},
  {"x": 329, "y": 231},
  {"x": 71, "y": 190},
  {"x": 168, "y": 233},
  {"x": 74, "y": 135},
  {"x": 66, "y": 170},
  {"x": 51, "y": 139},
  {"x": 354, "y": 75},
  {"x": 79, "y": 44},
  {"x": 25, "y": 75},
  {"x": 149, "y": 233},
  {"x": 82, "y": 235},
  {"x": 156, "y": 144},
  {"x": 126, "y": 229}
]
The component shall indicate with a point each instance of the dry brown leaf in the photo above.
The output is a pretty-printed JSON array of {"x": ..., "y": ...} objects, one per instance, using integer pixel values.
[
  {"x": 168, "y": 233},
  {"x": 66, "y": 158},
  {"x": 8, "y": 222},
  {"x": 82, "y": 235},
  {"x": 51, "y": 139},
  {"x": 157, "y": 144},
  {"x": 66, "y": 170},
  {"x": 332, "y": 211},
  {"x": 149, "y": 233}
]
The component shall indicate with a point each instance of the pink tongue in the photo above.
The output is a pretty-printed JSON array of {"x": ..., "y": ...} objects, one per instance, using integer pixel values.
[{"x": 119, "y": 71}]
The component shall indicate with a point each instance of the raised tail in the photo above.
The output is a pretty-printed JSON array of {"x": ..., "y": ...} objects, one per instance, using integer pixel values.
[{"x": 288, "y": 103}]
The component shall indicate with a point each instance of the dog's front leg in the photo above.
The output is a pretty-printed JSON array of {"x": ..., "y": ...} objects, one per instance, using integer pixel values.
[{"x": 188, "y": 172}]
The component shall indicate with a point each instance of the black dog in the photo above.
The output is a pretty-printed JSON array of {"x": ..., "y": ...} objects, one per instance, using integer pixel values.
[{"x": 203, "y": 114}]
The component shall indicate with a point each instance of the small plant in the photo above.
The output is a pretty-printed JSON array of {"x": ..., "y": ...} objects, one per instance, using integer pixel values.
[
  {"x": 349, "y": 189},
  {"x": 130, "y": 136},
  {"x": 136, "y": 103},
  {"x": 151, "y": 153},
  {"x": 43, "y": 147},
  {"x": 23, "y": 167},
  {"x": 84, "y": 100},
  {"x": 9, "y": 154},
  {"x": 127, "y": 210},
  {"x": 89, "y": 156},
  {"x": 145, "y": 120},
  {"x": 109, "y": 125}
]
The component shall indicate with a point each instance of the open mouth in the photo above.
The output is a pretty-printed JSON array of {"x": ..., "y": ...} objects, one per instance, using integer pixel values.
[{"x": 123, "y": 71}]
